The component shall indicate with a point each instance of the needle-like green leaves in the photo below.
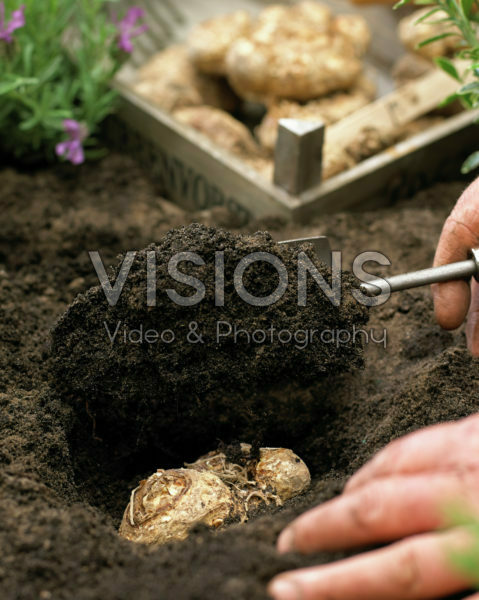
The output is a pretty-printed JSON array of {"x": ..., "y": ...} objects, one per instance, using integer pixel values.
[
  {"x": 56, "y": 66},
  {"x": 462, "y": 17}
]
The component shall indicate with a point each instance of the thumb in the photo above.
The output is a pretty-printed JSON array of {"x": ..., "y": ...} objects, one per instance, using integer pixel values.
[{"x": 460, "y": 233}]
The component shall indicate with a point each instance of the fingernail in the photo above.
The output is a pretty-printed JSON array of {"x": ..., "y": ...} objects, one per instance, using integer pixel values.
[
  {"x": 283, "y": 589},
  {"x": 286, "y": 541}
]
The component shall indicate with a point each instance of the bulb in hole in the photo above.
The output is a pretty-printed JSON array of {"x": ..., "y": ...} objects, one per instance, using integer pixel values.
[
  {"x": 282, "y": 472},
  {"x": 168, "y": 504}
]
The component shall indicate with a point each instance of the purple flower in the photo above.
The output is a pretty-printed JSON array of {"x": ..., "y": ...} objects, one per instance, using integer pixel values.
[
  {"x": 72, "y": 148},
  {"x": 17, "y": 20},
  {"x": 127, "y": 28}
]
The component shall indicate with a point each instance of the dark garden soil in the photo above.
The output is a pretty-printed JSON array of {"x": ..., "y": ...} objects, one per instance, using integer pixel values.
[{"x": 82, "y": 421}]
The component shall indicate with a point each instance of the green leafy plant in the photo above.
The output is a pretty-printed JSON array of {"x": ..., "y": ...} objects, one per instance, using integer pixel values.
[
  {"x": 466, "y": 561},
  {"x": 463, "y": 18},
  {"x": 57, "y": 60}
]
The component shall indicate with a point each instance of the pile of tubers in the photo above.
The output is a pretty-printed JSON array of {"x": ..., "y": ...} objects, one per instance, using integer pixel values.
[{"x": 297, "y": 62}]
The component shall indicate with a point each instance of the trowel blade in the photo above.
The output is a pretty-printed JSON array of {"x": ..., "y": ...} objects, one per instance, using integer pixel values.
[{"x": 320, "y": 244}]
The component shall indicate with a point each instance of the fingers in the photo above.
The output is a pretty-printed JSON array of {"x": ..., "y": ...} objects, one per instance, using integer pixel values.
[
  {"x": 472, "y": 328},
  {"x": 413, "y": 569},
  {"x": 439, "y": 447},
  {"x": 382, "y": 511},
  {"x": 473, "y": 597},
  {"x": 451, "y": 302},
  {"x": 460, "y": 233},
  {"x": 451, "y": 299}
]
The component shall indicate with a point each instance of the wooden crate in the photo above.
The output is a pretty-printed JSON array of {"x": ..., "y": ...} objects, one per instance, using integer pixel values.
[{"x": 197, "y": 174}]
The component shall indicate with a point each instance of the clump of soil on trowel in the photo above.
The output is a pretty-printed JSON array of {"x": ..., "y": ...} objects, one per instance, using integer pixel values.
[{"x": 174, "y": 401}]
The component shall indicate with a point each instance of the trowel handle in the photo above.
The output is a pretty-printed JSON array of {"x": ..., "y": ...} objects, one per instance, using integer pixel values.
[{"x": 452, "y": 272}]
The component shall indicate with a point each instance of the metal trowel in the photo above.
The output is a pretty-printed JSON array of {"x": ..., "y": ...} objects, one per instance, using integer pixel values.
[
  {"x": 321, "y": 246},
  {"x": 464, "y": 269}
]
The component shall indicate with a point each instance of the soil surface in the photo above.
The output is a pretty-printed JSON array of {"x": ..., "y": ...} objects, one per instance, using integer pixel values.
[{"x": 66, "y": 462}]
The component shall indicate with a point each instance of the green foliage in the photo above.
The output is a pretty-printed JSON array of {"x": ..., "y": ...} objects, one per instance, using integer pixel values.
[
  {"x": 471, "y": 163},
  {"x": 463, "y": 18},
  {"x": 58, "y": 66},
  {"x": 466, "y": 561}
]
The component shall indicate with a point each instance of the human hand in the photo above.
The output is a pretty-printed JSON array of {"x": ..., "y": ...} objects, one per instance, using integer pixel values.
[
  {"x": 455, "y": 300},
  {"x": 399, "y": 495}
]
